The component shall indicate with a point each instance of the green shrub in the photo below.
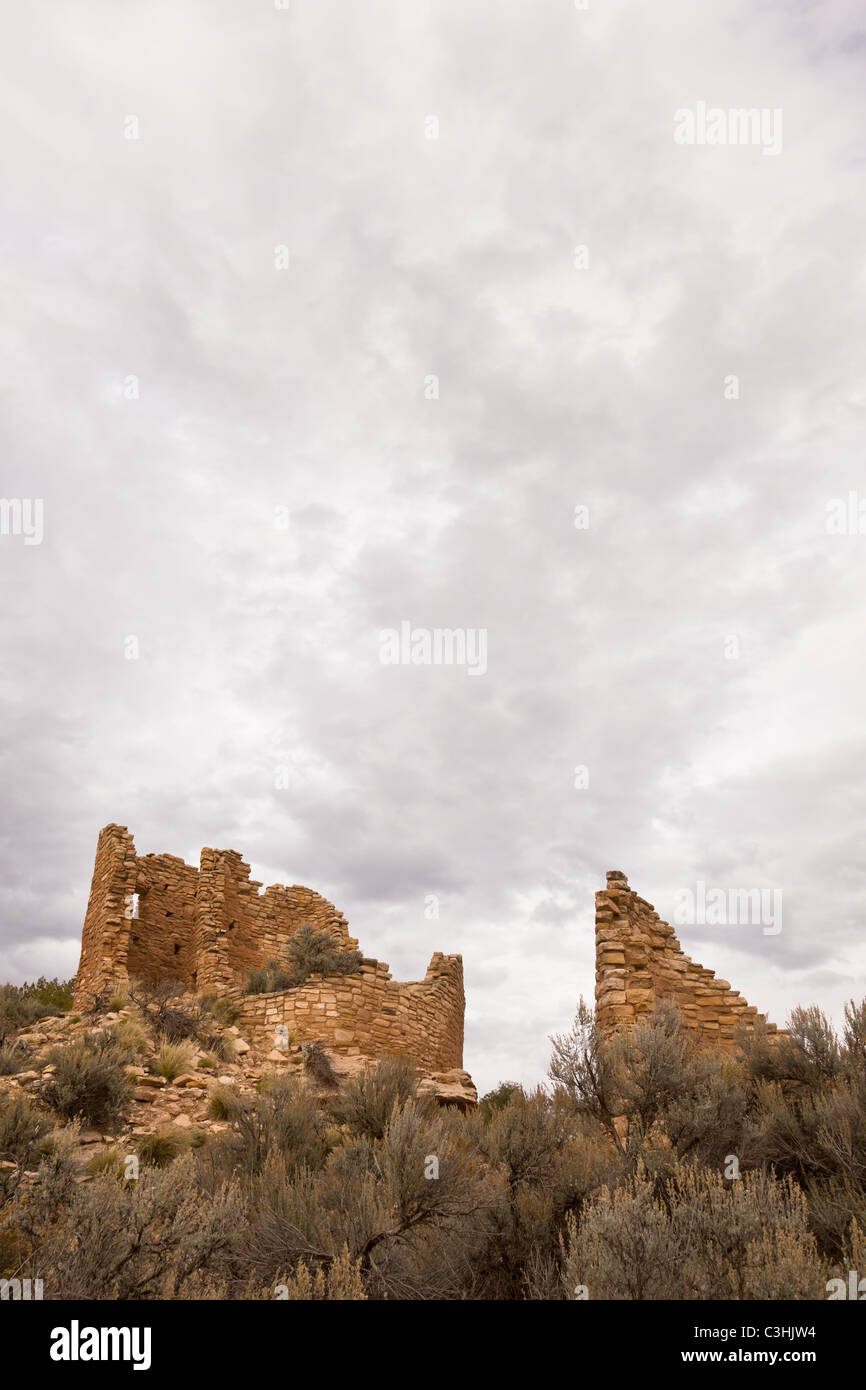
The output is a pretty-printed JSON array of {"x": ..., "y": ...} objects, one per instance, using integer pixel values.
[
  {"x": 311, "y": 952},
  {"x": 696, "y": 1237},
  {"x": 497, "y": 1099},
  {"x": 284, "y": 1119},
  {"x": 308, "y": 952},
  {"x": 120, "y": 1241},
  {"x": 49, "y": 996},
  {"x": 21, "y": 1129},
  {"x": 367, "y": 1100},
  {"x": 23, "y": 1005},
  {"x": 409, "y": 1235},
  {"x": 90, "y": 1081}
]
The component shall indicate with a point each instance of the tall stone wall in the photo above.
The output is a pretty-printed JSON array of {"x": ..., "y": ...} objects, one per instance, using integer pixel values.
[
  {"x": 155, "y": 917},
  {"x": 161, "y": 933},
  {"x": 639, "y": 961},
  {"x": 238, "y": 928},
  {"x": 106, "y": 937}
]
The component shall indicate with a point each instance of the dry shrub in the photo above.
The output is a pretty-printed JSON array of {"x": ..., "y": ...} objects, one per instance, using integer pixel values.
[
  {"x": 90, "y": 1081},
  {"x": 696, "y": 1236},
  {"x": 173, "y": 1059}
]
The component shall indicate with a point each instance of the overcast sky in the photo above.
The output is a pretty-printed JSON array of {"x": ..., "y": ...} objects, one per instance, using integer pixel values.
[{"x": 172, "y": 392}]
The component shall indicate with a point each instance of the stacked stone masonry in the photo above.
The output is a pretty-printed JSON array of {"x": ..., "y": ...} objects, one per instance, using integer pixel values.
[
  {"x": 154, "y": 917},
  {"x": 639, "y": 962},
  {"x": 369, "y": 1013}
]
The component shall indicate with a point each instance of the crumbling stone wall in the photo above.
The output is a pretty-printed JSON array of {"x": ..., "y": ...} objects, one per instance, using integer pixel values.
[
  {"x": 369, "y": 1013},
  {"x": 640, "y": 961},
  {"x": 160, "y": 937},
  {"x": 239, "y": 929},
  {"x": 106, "y": 938},
  {"x": 155, "y": 917}
]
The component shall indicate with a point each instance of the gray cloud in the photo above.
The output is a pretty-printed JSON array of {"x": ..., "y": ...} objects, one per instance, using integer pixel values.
[{"x": 260, "y": 388}]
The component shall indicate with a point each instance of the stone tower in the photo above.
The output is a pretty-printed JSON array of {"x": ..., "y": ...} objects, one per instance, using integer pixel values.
[{"x": 154, "y": 917}]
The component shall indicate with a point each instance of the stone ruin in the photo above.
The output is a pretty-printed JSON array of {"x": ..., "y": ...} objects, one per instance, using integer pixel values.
[
  {"x": 639, "y": 961},
  {"x": 154, "y": 917}
]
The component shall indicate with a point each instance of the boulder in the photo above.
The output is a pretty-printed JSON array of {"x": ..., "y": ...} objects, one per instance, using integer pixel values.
[
  {"x": 90, "y": 1136},
  {"x": 453, "y": 1087}
]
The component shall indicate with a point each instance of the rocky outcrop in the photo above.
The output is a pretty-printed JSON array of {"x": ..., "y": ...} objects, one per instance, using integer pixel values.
[
  {"x": 454, "y": 1087},
  {"x": 184, "y": 1103}
]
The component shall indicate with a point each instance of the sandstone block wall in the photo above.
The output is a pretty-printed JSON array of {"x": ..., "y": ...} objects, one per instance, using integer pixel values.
[
  {"x": 369, "y": 1013},
  {"x": 155, "y": 917},
  {"x": 640, "y": 961},
  {"x": 106, "y": 937}
]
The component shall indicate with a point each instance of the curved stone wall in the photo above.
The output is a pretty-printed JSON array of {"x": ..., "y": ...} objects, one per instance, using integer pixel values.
[{"x": 155, "y": 917}]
